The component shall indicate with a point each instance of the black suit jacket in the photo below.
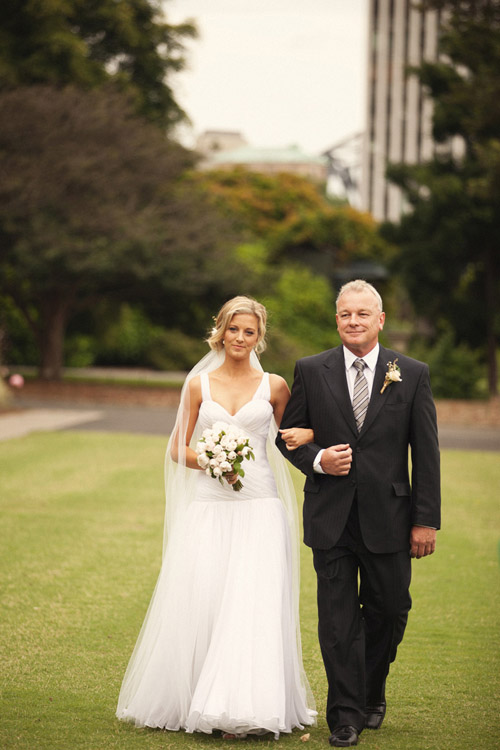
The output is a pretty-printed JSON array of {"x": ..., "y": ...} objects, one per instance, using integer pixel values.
[{"x": 403, "y": 417}]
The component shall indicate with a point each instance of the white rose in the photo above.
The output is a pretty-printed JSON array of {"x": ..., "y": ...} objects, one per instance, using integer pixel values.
[
  {"x": 210, "y": 445},
  {"x": 207, "y": 433},
  {"x": 217, "y": 449},
  {"x": 231, "y": 456},
  {"x": 208, "y": 472},
  {"x": 245, "y": 450},
  {"x": 213, "y": 462},
  {"x": 225, "y": 466},
  {"x": 219, "y": 427},
  {"x": 394, "y": 375},
  {"x": 217, "y": 472},
  {"x": 203, "y": 460},
  {"x": 221, "y": 457}
]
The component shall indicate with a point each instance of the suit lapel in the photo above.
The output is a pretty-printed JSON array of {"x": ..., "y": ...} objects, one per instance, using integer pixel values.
[
  {"x": 336, "y": 382},
  {"x": 377, "y": 398}
]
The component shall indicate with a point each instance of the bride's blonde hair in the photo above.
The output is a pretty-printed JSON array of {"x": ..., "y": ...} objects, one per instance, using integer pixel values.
[{"x": 236, "y": 306}]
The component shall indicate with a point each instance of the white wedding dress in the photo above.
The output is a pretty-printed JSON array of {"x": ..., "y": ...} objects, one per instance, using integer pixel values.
[{"x": 219, "y": 648}]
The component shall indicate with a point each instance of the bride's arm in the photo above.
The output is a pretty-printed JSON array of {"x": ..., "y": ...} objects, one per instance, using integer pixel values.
[
  {"x": 297, "y": 436},
  {"x": 280, "y": 394},
  {"x": 179, "y": 444}
]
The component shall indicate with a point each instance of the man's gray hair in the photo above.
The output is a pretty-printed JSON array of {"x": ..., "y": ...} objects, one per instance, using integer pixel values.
[{"x": 359, "y": 285}]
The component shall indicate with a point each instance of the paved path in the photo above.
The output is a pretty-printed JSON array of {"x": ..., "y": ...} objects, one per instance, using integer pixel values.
[
  {"x": 32, "y": 416},
  {"x": 38, "y": 416},
  {"x": 469, "y": 438},
  {"x": 20, "y": 423}
]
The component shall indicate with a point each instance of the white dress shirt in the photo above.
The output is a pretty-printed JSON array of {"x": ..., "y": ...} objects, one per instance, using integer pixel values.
[{"x": 370, "y": 360}]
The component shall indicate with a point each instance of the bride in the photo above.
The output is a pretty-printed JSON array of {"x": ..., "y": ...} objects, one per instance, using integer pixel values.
[{"x": 220, "y": 646}]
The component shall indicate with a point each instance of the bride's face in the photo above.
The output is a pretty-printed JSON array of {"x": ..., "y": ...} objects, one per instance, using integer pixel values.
[{"x": 241, "y": 335}]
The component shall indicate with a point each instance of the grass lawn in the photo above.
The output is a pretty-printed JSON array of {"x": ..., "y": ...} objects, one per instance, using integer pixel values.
[{"x": 82, "y": 518}]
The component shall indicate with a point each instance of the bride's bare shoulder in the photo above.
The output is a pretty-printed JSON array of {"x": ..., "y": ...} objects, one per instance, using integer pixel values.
[
  {"x": 278, "y": 385},
  {"x": 195, "y": 388}
]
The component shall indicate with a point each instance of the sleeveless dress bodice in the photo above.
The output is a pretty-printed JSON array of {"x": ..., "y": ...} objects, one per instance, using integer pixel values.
[{"x": 253, "y": 420}]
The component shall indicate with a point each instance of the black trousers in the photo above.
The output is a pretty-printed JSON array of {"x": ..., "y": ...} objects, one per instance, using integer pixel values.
[{"x": 363, "y": 605}]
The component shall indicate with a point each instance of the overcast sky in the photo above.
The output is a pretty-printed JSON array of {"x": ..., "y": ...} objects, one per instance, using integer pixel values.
[{"x": 281, "y": 72}]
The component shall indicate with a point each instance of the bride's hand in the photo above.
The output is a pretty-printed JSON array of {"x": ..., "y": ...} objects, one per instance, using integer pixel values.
[
  {"x": 231, "y": 478},
  {"x": 294, "y": 437}
]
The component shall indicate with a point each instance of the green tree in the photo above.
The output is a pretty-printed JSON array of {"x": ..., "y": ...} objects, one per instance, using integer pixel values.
[
  {"x": 301, "y": 308},
  {"x": 336, "y": 241},
  {"x": 296, "y": 221},
  {"x": 258, "y": 202},
  {"x": 450, "y": 259},
  {"x": 92, "y": 205},
  {"x": 299, "y": 247},
  {"x": 88, "y": 43}
]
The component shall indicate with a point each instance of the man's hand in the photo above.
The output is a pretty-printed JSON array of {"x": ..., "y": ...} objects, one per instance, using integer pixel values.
[
  {"x": 422, "y": 541},
  {"x": 336, "y": 460}
]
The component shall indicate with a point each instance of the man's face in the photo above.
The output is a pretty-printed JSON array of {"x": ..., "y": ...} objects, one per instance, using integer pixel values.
[{"x": 358, "y": 321}]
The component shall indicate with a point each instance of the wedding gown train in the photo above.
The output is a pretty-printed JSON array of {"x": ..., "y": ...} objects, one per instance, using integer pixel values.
[{"x": 219, "y": 647}]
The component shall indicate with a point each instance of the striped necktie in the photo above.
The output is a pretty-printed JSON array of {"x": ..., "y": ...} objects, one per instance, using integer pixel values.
[{"x": 360, "y": 396}]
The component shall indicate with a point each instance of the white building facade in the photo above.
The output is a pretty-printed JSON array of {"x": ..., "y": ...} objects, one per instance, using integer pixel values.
[{"x": 399, "y": 115}]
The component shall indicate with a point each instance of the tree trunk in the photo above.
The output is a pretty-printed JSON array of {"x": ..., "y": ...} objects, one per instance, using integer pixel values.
[
  {"x": 54, "y": 315},
  {"x": 491, "y": 309}
]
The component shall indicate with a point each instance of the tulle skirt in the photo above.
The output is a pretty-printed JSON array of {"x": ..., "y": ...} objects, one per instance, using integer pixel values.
[{"x": 218, "y": 648}]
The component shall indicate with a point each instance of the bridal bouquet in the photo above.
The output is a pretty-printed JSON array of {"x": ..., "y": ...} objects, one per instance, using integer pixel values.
[{"x": 221, "y": 451}]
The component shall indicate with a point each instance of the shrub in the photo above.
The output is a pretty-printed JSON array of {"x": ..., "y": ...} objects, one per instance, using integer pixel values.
[
  {"x": 301, "y": 319},
  {"x": 455, "y": 368},
  {"x": 124, "y": 339},
  {"x": 173, "y": 350},
  {"x": 18, "y": 345},
  {"x": 80, "y": 350}
]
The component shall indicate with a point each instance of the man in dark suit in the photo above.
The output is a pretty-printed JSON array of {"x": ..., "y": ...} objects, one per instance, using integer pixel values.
[{"x": 366, "y": 405}]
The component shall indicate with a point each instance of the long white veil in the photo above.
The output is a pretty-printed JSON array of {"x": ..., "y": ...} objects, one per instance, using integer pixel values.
[{"x": 179, "y": 479}]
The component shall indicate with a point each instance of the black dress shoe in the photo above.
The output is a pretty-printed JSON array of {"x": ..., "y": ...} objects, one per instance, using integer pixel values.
[
  {"x": 375, "y": 715},
  {"x": 344, "y": 737}
]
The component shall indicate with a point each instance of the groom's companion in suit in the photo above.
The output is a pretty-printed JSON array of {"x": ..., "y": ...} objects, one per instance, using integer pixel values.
[{"x": 363, "y": 517}]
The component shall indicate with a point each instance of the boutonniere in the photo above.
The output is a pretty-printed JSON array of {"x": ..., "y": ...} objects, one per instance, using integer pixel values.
[{"x": 393, "y": 375}]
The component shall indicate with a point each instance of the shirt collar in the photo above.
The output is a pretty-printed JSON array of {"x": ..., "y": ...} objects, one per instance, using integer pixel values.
[{"x": 370, "y": 358}]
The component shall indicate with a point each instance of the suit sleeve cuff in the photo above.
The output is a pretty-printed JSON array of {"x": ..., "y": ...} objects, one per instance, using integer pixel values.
[{"x": 425, "y": 526}]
